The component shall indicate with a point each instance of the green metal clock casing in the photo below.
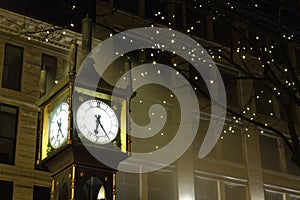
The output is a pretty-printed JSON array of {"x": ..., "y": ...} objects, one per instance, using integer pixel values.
[{"x": 97, "y": 121}]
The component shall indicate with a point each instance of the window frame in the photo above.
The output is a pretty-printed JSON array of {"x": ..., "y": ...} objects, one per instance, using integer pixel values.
[
  {"x": 211, "y": 180},
  {"x": 48, "y": 69},
  {"x": 280, "y": 161},
  {"x": 14, "y": 134},
  {"x": 35, "y": 189},
  {"x": 11, "y": 183},
  {"x": 5, "y": 83},
  {"x": 228, "y": 184},
  {"x": 272, "y": 192}
]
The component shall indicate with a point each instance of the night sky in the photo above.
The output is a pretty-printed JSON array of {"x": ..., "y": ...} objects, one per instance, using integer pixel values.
[{"x": 58, "y": 12}]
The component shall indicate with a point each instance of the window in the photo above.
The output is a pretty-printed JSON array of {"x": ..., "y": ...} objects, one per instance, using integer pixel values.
[
  {"x": 50, "y": 64},
  {"x": 40, "y": 192},
  {"x": 8, "y": 130},
  {"x": 6, "y": 190},
  {"x": 229, "y": 146},
  {"x": 264, "y": 100},
  {"x": 292, "y": 197},
  {"x": 154, "y": 10},
  {"x": 127, "y": 186},
  {"x": 291, "y": 167},
  {"x": 231, "y": 86},
  {"x": 178, "y": 13},
  {"x": 200, "y": 25},
  {"x": 240, "y": 35},
  {"x": 222, "y": 32},
  {"x": 235, "y": 192},
  {"x": 130, "y": 6},
  {"x": 232, "y": 146},
  {"x": 206, "y": 189},
  {"x": 12, "y": 72},
  {"x": 269, "y": 195},
  {"x": 269, "y": 152},
  {"x": 161, "y": 185},
  {"x": 256, "y": 38}
]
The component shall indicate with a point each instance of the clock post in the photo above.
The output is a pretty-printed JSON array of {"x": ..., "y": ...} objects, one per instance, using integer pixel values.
[{"x": 68, "y": 135}]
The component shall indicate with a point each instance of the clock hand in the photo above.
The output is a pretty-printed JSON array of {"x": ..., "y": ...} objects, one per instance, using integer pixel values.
[
  {"x": 59, "y": 127},
  {"x": 98, "y": 122},
  {"x": 104, "y": 131}
]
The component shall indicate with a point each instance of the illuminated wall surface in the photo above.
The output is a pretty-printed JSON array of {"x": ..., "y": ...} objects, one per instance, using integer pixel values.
[{"x": 248, "y": 162}]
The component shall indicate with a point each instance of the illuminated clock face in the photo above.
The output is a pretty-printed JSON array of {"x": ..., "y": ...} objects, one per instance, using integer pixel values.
[
  {"x": 58, "y": 129},
  {"x": 97, "y": 121}
]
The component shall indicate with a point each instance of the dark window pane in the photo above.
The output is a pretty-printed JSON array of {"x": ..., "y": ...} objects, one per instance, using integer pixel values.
[
  {"x": 50, "y": 64},
  {"x": 257, "y": 39},
  {"x": 231, "y": 87},
  {"x": 130, "y": 6},
  {"x": 269, "y": 153},
  {"x": 8, "y": 130},
  {"x": 178, "y": 16},
  {"x": 264, "y": 100},
  {"x": 232, "y": 147},
  {"x": 63, "y": 193},
  {"x": 199, "y": 25},
  {"x": 292, "y": 168},
  {"x": 6, "y": 190},
  {"x": 154, "y": 10},
  {"x": 41, "y": 193},
  {"x": 12, "y": 71},
  {"x": 222, "y": 32}
]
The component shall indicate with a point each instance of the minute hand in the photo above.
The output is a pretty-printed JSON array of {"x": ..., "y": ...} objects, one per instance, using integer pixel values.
[{"x": 103, "y": 130}]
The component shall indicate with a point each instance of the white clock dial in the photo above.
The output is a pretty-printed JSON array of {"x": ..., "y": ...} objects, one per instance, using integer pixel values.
[
  {"x": 97, "y": 121},
  {"x": 58, "y": 129}
]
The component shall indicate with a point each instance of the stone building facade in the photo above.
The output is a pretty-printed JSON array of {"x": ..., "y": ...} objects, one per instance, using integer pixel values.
[{"x": 239, "y": 167}]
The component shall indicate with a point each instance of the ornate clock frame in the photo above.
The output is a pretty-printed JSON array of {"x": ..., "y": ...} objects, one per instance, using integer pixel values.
[{"x": 73, "y": 169}]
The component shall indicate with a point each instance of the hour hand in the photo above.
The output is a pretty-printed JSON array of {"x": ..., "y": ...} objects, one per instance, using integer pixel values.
[{"x": 97, "y": 123}]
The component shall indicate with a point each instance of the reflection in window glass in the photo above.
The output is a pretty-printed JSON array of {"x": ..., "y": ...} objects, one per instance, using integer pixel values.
[
  {"x": 206, "y": 189},
  {"x": 269, "y": 152}
]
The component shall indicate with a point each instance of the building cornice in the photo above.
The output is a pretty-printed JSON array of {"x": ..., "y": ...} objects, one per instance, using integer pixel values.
[{"x": 34, "y": 30}]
